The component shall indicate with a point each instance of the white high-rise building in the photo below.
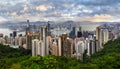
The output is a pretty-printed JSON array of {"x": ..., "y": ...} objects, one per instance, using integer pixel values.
[
  {"x": 41, "y": 49},
  {"x": 38, "y": 48},
  {"x": 43, "y": 39},
  {"x": 2, "y": 40},
  {"x": 106, "y": 36},
  {"x": 79, "y": 48},
  {"x": 35, "y": 47},
  {"x": 55, "y": 46}
]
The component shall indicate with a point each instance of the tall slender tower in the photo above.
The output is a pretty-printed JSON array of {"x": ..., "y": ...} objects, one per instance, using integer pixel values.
[
  {"x": 43, "y": 38},
  {"x": 28, "y": 37},
  {"x": 48, "y": 29},
  {"x": 99, "y": 37}
]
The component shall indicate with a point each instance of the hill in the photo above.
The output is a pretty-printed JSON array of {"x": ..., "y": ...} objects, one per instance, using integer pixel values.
[{"x": 107, "y": 58}]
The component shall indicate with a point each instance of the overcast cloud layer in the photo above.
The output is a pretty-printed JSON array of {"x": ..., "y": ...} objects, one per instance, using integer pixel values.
[{"x": 59, "y": 10}]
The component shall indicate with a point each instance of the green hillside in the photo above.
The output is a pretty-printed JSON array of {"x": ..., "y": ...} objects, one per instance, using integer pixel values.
[{"x": 108, "y": 58}]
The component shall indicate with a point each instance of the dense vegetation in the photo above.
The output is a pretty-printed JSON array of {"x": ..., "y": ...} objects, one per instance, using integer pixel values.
[
  {"x": 9, "y": 56},
  {"x": 108, "y": 58}
]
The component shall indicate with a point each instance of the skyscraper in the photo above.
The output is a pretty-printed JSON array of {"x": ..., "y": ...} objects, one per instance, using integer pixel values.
[
  {"x": 105, "y": 35},
  {"x": 14, "y": 34},
  {"x": 48, "y": 29},
  {"x": 79, "y": 46},
  {"x": 43, "y": 38},
  {"x": 99, "y": 37},
  {"x": 35, "y": 47},
  {"x": 66, "y": 46}
]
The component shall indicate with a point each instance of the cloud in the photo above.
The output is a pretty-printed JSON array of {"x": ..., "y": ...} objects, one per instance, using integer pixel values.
[
  {"x": 14, "y": 14},
  {"x": 77, "y": 10},
  {"x": 43, "y": 7},
  {"x": 2, "y": 19}
]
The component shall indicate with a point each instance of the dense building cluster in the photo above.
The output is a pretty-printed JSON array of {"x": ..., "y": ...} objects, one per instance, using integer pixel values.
[{"x": 72, "y": 44}]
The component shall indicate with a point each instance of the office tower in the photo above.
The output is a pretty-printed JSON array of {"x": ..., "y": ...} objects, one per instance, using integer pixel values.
[
  {"x": 97, "y": 46},
  {"x": 35, "y": 48},
  {"x": 79, "y": 49},
  {"x": 43, "y": 32},
  {"x": 9, "y": 40},
  {"x": 77, "y": 29},
  {"x": 66, "y": 46},
  {"x": 59, "y": 47},
  {"x": 98, "y": 33},
  {"x": 111, "y": 36},
  {"x": 6, "y": 38},
  {"x": 99, "y": 37},
  {"x": 21, "y": 40},
  {"x": 79, "y": 34},
  {"x": 2, "y": 40},
  {"x": 41, "y": 49},
  {"x": 29, "y": 37},
  {"x": 79, "y": 46},
  {"x": 85, "y": 34},
  {"x": 16, "y": 41},
  {"x": 63, "y": 39},
  {"x": 55, "y": 46},
  {"x": 72, "y": 34},
  {"x": 48, "y": 29},
  {"x": 43, "y": 38},
  {"x": 38, "y": 48},
  {"x": 28, "y": 41},
  {"x": 1, "y": 34},
  {"x": 14, "y": 34},
  {"x": 105, "y": 36},
  {"x": 48, "y": 41},
  {"x": 92, "y": 45}
]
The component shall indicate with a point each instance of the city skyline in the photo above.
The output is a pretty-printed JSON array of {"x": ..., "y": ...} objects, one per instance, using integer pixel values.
[{"x": 57, "y": 10}]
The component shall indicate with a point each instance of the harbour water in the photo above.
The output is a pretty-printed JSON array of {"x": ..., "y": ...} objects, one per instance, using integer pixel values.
[{"x": 7, "y": 31}]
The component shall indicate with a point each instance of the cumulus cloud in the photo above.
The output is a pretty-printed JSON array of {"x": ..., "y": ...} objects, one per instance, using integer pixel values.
[
  {"x": 14, "y": 14},
  {"x": 2, "y": 19},
  {"x": 77, "y": 10},
  {"x": 43, "y": 7}
]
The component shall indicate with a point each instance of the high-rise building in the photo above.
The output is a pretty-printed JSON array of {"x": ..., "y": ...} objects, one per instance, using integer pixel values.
[
  {"x": 55, "y": 46},
  {"x": 63, "y": 39},
  {"x": 99, "y": 37},
  {"x": 105, "y": 36},
  {"x": 72, "y": 34},
  {"x": 54, "y": 49},
  {"x": 14, "y": 34},
  {"x": 43, "y": 39},
  {"x": 66, "y": 46},
  {"x": 2, "y": 40},
  {"x": 41, "y": 49},
  {"x": 28, "y": 41},
  {"x": 16, "y": 41},
  {"x": 1, "y": 34},
  {"x": 38, "y": 48},
  {"x": 35, "y": 45},
  {"x": 79, "y": 46},
  {"x": 48, "y": 29}
]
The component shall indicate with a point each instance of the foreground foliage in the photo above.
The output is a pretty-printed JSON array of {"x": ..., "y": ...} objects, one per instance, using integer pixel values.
[{"x": 108, "y": 58}]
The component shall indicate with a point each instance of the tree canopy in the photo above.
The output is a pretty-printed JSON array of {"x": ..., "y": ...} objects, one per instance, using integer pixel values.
[{"x": 107, "y": 58}]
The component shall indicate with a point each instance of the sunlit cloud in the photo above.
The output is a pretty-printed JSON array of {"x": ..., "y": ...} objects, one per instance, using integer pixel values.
[
  {"x": 43, "y": 7},
  {"x": 76, "y": 10}
]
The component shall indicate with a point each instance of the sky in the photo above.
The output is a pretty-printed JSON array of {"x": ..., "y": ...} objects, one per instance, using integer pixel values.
[{"x": 60, "y": 10}]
